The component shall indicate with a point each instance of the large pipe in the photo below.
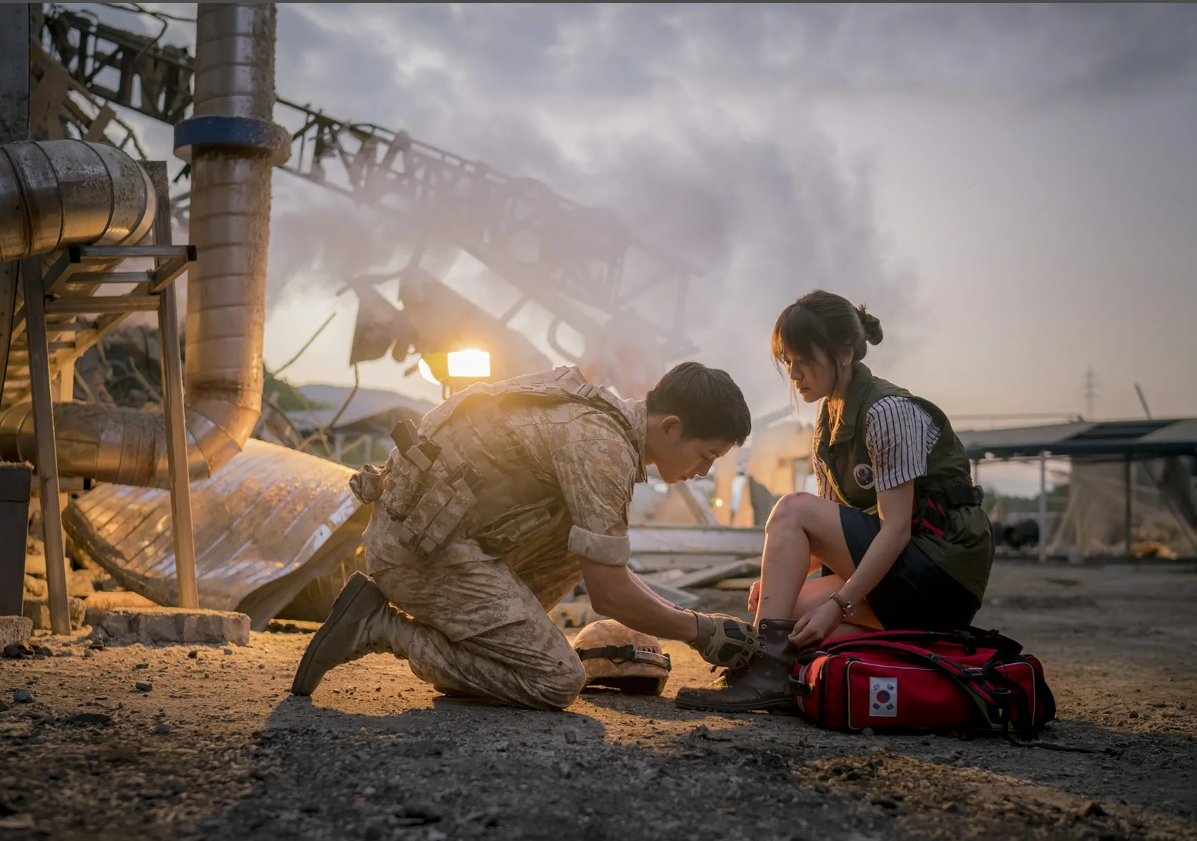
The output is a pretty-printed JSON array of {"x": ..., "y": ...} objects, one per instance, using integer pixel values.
[
  {"x": 58, "y": 193},
  {"x": 230, "y": 143}
]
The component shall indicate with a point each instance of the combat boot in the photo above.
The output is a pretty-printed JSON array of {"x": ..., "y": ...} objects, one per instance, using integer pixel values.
[
  {"x": 362, "y": 621},
  {"x": 767, "y": 683}
]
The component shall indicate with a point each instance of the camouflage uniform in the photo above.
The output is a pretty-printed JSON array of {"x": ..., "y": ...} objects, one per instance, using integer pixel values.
[{"x": 481, "y": 526}]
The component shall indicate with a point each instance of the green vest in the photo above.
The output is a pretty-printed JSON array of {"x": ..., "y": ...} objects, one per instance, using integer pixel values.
[{"x": 965, "y": 551}]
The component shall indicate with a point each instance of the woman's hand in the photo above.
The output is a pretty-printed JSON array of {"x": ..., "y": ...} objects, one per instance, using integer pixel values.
[
  {"x": 754, "y": 596},
  {"x": 817, "y": 624}
]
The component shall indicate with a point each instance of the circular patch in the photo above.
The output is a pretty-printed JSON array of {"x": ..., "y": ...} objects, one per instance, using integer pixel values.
[
  {"x": 863, "y": 474},
  {"x": 883, "y": 696}
]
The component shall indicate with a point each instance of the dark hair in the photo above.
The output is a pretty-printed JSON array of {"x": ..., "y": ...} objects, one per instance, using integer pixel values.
[
  {"x": 825, "y": 321},
  {"x": 707, "y": 400}
]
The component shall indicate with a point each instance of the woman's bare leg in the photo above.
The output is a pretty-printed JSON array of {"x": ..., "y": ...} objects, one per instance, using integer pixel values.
[{"x": 803, "y": 532}]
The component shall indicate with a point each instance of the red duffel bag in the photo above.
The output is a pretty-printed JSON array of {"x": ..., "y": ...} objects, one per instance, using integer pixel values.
[{"x": 967, "y": 680}]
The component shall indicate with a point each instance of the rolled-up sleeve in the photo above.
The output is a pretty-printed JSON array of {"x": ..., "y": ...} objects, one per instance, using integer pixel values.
[{"x": 596, "y": 468}]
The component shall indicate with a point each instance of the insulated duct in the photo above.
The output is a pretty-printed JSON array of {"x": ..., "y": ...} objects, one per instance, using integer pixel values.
[
  {"x": 59, "y": 193},
  {"x": 232, "y": 146}
]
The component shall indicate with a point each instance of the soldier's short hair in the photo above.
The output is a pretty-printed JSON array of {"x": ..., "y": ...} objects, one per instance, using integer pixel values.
[{"x": 707, "y": 400}]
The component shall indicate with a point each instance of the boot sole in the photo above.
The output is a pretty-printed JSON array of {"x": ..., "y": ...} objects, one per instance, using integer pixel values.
[{"x": 343, "y": 602}]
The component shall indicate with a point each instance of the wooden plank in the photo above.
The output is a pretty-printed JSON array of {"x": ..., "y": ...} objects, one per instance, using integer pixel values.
[
  {"x": 47, "y": 457},
  {"x": 182, "y": 529}
]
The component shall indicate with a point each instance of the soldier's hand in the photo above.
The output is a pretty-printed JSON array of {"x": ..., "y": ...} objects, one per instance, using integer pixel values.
[{"x": 725, "y": 640}]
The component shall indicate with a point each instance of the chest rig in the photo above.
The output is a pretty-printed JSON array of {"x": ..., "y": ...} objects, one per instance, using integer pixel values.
[{"x": 466, "y": 471}]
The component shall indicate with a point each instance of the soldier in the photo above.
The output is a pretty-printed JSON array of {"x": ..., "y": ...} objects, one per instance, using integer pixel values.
[{"x": 497, "y": 505}]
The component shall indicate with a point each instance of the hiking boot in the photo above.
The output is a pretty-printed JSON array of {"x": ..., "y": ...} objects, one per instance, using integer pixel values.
[
  {"x": 767, "y": 683},
  {"x": 362, "y": 622}
]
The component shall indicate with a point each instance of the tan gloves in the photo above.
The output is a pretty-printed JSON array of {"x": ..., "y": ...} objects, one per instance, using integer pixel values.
[{"x": 725, "y": 640}]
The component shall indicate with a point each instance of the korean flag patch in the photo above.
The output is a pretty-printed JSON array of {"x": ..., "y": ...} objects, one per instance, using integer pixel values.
[{"x": 883, "y": 697}]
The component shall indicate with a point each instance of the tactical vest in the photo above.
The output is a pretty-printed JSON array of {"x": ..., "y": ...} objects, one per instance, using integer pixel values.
[
  {"x": 465, "y": 471},
  {"x": 948, "y": 522}
]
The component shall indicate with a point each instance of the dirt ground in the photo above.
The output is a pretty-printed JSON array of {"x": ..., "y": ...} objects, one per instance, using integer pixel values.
[{"x": 216, "y": 748}]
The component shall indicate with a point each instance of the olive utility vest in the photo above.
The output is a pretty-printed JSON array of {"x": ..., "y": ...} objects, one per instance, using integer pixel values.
[{"x": 965, "y": 548}]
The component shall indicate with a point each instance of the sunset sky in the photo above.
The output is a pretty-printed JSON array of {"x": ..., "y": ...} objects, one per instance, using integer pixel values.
[{"x": 1012, "y": 189}]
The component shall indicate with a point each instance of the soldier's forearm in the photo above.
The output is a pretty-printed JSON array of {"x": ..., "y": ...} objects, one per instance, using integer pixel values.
[{"x": 618, "y": 593}]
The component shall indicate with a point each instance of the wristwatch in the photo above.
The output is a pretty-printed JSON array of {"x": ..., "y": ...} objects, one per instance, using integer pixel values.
[{"x": 844, "y": 604}]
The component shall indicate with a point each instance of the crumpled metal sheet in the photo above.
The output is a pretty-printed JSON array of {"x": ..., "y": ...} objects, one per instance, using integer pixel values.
[{"x": 267, "y": 524}]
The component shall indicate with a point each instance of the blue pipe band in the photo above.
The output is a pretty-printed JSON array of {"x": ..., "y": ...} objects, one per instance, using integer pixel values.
[{"x": 232, "y": 133}]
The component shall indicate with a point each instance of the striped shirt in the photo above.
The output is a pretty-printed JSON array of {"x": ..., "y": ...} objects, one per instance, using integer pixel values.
[{"x": 899, "y": 436}]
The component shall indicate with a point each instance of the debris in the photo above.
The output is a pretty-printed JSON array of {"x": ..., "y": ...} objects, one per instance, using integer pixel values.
[
  {"x": 17, "y": 650},
  {"x": 719, "y": 572},
  {"x": 87, "y": 720},
  {"x": 671, "y": 594},
  {"x": 36, "y": 588},
  {"x": 23, "y": 696},
  {"x": 171, "y": 624},
  {"x": 97, "y": 604},
  {"x": 38, "y": 612},
  {"x": 735, "y": 584},
  {"x": 292, "y": 626}
]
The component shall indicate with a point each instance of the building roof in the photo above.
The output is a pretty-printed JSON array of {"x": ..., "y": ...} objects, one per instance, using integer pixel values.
[
  {"x": 1141, "y": 438},
  {"x": 367, "y": 403}
]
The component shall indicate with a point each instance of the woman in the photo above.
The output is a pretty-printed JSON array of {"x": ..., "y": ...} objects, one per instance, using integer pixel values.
[{"x": 896, "y": 520}]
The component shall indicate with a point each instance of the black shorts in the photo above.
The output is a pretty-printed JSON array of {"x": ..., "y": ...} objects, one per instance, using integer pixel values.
[{"x": 916, "y": 594}]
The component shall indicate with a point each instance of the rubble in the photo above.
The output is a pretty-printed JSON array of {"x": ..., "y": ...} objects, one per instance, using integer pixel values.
[
  {"x": 38, "y": 612},
  {"x": 14, "y": 629},
  {"x": 172, "y": 625}
]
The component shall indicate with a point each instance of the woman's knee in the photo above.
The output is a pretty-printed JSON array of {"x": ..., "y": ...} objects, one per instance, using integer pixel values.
[{"x": 789, "y": 512}]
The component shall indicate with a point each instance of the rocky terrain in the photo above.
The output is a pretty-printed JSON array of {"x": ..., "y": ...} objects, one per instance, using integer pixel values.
[{"x": 106, "y": 741}]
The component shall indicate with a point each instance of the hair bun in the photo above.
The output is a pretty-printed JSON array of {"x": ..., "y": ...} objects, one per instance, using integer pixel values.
[{"x": 871, "y": 325}]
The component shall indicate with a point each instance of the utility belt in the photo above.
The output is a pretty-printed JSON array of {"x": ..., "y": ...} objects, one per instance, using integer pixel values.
[{"x": 929, "y": 513}]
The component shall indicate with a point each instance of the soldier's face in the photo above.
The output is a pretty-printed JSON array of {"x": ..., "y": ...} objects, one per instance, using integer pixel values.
[{"x": 678, "y": 458}]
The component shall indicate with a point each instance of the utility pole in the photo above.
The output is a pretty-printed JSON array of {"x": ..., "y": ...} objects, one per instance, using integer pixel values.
[{"x": 1089, "y": 392}]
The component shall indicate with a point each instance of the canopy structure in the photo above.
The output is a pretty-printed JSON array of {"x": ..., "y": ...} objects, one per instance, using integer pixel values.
[
  {"x": 1126, "y": 439},
  {"x": 1090, "y": 443}
]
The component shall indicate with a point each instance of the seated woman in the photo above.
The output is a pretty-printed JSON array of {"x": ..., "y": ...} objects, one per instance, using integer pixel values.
[{"x": 897, "y": 520}]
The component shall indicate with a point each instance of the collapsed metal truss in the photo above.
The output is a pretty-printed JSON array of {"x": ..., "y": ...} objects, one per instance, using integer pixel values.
[{"x": 581, "y": 264}]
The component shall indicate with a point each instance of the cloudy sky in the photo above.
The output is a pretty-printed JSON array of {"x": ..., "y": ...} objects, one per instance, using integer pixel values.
[{"x": 1011, "y": 189}]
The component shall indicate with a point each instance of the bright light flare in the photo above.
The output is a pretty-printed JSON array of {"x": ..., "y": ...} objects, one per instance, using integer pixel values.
[{"x": 470, "y": 363}]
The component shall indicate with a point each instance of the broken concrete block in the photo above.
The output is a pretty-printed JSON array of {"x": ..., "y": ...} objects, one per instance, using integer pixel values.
[
  {"x": 97, "y": 604},
  {"x": 38, "y": 611},
  {"x": 14, "y": 629},
  {"x": 172, "y": 625}
]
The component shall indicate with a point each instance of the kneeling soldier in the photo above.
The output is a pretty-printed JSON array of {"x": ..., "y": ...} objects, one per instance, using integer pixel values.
[{"x": 493, "y": 510}]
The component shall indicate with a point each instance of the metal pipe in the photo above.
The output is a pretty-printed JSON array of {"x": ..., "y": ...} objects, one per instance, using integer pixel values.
[
  {"x": 57, "y": 193},
  {"x": 104, "y": 197}
]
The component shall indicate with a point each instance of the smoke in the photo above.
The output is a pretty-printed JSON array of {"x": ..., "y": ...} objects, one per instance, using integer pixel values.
[{"x": 698, "y": 125}]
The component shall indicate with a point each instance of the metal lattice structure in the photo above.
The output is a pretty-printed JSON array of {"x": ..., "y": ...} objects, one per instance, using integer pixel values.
[{"x": 579, "y": 263}]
